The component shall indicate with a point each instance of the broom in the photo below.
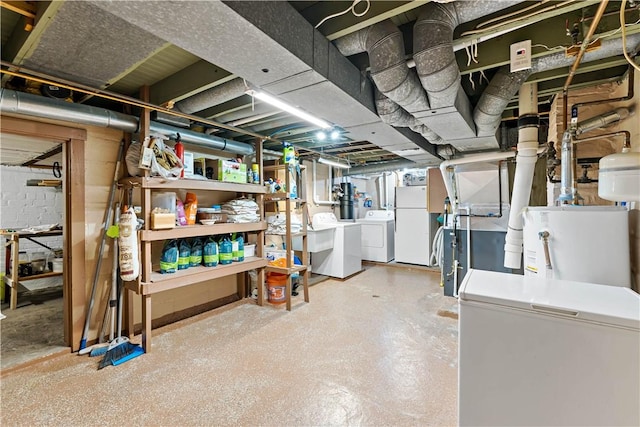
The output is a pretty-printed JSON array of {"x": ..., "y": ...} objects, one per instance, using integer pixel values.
[
  {"x": 120, "y": 349},
  {"x": 101, "y": 348}
]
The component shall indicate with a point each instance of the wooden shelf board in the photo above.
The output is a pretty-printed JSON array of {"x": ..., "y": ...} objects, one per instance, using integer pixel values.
[
  {"x": 40, "y": 276},
  {"x": 192, "y": 184},
  {"x": 202, "y": 230},
  {"x": 299, "y": 234},
  {"x": 162, "y": 282},
  {"x": 284, "y": 270},
  {"x": 276, "y": 197},
  {"x": 272, "y": 168}
]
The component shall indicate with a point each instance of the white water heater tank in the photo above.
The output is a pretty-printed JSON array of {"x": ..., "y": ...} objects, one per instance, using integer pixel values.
[
  {"x": 585, "y": 244},
  {"x": 619, "y": 177}
]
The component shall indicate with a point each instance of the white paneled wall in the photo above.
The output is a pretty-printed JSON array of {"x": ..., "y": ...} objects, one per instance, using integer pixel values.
[{"x": 22, "y": 206}]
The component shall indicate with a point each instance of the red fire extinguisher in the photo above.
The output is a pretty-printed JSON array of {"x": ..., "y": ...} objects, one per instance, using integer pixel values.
[{"x": 179, "y": 148}]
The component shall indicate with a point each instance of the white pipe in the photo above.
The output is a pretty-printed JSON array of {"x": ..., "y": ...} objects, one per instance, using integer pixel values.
[
  {"x": 525, "y": 167},
  {"x": 316, "y": 200},
  {"x": 448, "y": 165},
  {"x": 386, "y": 191},
  {"x": 469, "y": 237}
]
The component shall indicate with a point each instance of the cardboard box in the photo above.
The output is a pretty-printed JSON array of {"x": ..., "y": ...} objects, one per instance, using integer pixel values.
[
  {"x": 160, "y": 221},
  {"x": 227, "y": 171}
]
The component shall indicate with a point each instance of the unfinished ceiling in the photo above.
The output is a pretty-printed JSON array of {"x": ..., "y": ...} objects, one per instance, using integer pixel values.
[{"x": 404, "y": 82}]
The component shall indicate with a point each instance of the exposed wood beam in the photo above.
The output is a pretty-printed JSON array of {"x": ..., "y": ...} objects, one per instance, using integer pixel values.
[
  {"x": 348, "y": 23},
  {"x": 195, "y": 78},
  {"x": 551, "y": 33},
  {"x": 21, "y": 7},
  {"x": 43, "y": 156},
  {"x": 22, "y": 43}
]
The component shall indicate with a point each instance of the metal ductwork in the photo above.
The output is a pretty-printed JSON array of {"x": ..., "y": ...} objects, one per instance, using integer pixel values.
[
  {"x": 393, "y": 114},
  {"x": 214, "y": 96},
  {"x": 385, "y": 46},
  {"x": 12, "y": 102},
  {"x": 382, "y": 167},
  {"x": 488, "y": 113},
  {"x": 433, "y": 45}
]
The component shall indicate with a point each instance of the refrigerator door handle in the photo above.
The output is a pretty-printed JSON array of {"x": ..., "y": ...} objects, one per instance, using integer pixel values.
[{"x": 554, "y": 310}]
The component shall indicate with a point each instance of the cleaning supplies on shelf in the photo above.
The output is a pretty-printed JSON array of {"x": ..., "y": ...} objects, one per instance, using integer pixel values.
[
  {"x": 226, "y": 251},
  {"x": 184, "y": 254},
  {"x": 210, "y": 254},
  {"x": 169, "y": 257},
  {"x": 195, "y": 258},
  {"x": 238, "y": 249}
]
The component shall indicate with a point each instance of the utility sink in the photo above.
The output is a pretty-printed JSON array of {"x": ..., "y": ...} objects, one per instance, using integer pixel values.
[{"x": 318, "y": 240}]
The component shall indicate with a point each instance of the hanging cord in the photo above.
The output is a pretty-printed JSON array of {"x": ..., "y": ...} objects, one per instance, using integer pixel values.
[
  {"x": 351, "y": 9},
  {"x": 624, "y": 36},
  {"x": 472, "y": 52}
]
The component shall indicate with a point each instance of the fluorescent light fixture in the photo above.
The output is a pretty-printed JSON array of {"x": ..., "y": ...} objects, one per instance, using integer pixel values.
[
  {"x": 320, "y": 136},
  {"x": 288, "y": 108},
  {"x": 335, "y": 135},
  {"x": 333, "y": 163}
]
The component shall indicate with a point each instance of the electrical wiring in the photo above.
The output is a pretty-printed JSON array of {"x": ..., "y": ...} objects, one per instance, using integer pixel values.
[
  {"x": 508, "y": 15},
  {"x": 351, "y": 9},
  {"x": 521, "y": 18},
  {"x": 624, "y": 37}
]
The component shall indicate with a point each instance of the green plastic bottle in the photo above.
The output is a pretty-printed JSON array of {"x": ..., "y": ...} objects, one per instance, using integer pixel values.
[
  {"x": 210, "y": 255},
  {"x": 226, "y": 251}
]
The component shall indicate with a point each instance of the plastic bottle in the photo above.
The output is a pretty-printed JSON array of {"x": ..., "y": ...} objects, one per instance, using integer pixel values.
[
  {"x": 184, "y": 254},
  {"x": 179, "y": 148},
  {"x": 238, "y": 249},
  {"x": 288, "y": 154},
  {"x": 255, "y": 173},
  {"x": 210, "y": 255},
  {"x": 226, "y": 251}
]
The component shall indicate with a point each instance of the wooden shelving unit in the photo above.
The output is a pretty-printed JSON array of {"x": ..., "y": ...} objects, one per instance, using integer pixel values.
[
  {"x": 151, "y": 282},
  {"x": 12, "y": 249},
  {"x": 290, "y": 203}
]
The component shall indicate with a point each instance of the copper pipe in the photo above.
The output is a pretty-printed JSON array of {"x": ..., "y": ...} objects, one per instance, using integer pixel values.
[
  {"x": 625, "y": 133},
  {"x": 572, "y": 71},
  {"x": 585, "y": 43}
]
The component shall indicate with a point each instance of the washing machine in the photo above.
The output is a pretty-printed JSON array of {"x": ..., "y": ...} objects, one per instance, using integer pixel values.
[
  {"x": 345, "y": 257},
  {"x": 378, "y": 236}
]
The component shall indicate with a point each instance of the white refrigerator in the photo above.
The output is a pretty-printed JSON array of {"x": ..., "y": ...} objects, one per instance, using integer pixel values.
[
  {"x": 547, "y": 352},
  {"x": 415, "y": 226}
]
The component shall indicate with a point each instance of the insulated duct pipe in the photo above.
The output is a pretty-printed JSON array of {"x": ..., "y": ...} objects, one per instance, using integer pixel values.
[
  {"x": 49, "y": 108},
  {"x": 393, "y": 114},
  {"x": 433, "y": 45},
  {"x": 493, "y": 101},
  {"x": 213, "y": 96},
  {"x": 528, "y": 124},
  {"x": 381, "y": 167},
  {"x": 385, "y": 45}
]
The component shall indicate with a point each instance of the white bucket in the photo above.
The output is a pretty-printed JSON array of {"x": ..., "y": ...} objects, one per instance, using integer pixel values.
[{"x": 57, "y": 265}]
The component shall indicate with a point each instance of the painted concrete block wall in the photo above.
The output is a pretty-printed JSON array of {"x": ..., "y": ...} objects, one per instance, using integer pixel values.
[{"x": 22, "y": 206}]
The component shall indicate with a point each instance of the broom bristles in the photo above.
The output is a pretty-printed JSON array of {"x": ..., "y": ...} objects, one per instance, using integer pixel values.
[{"x": 118, "y": 354}]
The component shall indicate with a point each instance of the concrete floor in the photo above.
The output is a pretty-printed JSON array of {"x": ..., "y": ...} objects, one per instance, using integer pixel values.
[{"x": 377, "y": 349}]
